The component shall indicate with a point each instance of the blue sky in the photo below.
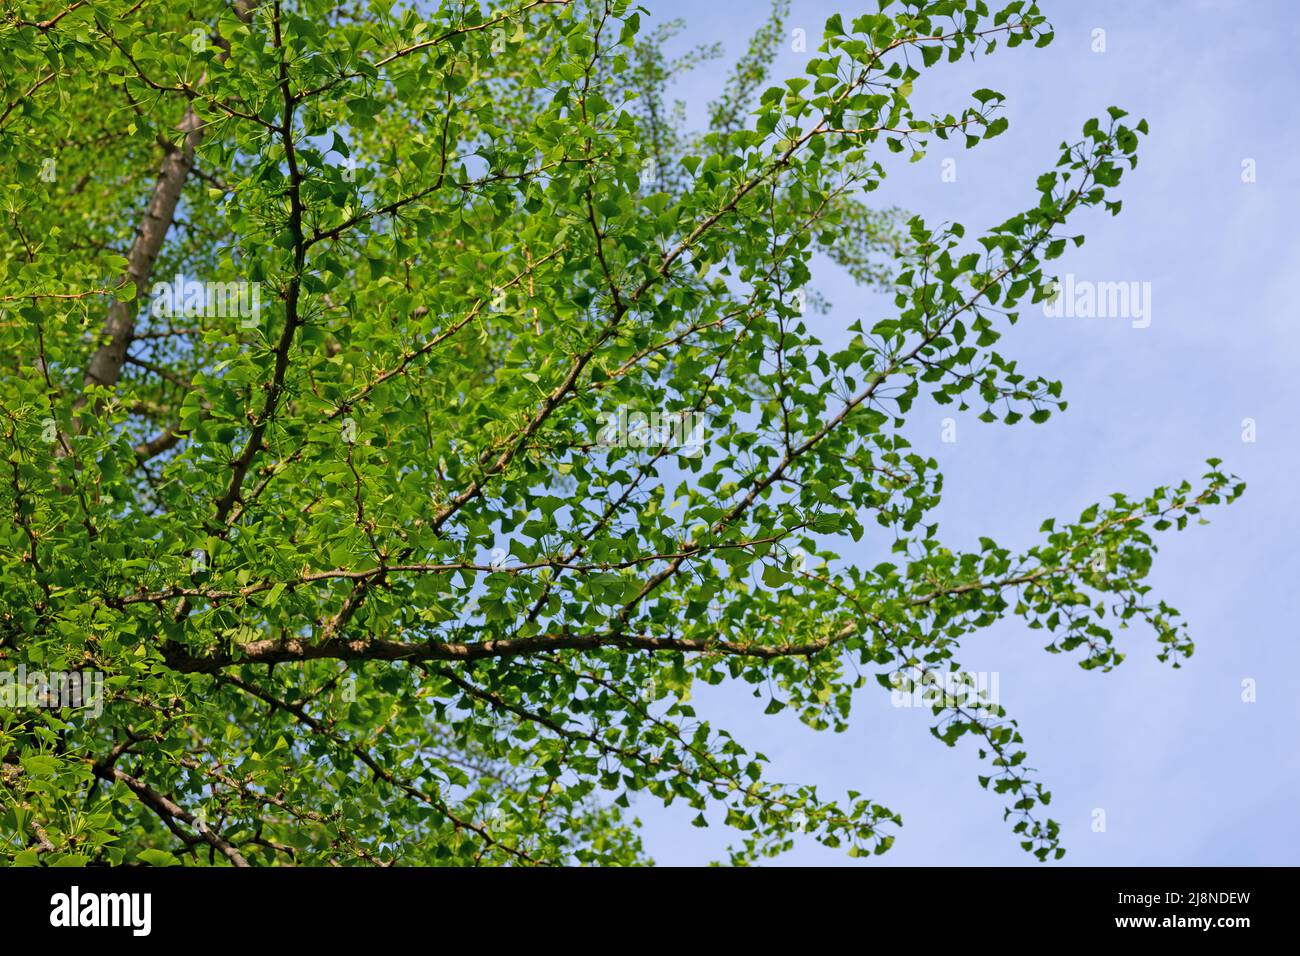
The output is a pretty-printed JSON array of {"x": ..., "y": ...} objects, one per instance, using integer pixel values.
[{"x": 1185, "y": 770}]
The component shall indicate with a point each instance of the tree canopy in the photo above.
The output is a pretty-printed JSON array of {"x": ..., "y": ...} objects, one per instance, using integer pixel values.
[{"x": 403, "y": 409}]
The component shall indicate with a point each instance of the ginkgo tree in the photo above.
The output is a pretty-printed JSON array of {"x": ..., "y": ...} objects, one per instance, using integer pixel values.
[{"x": 402, "y": 410}]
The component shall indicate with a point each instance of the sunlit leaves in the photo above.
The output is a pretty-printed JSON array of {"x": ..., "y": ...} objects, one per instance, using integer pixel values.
[{"x": 529, "y": 441}]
